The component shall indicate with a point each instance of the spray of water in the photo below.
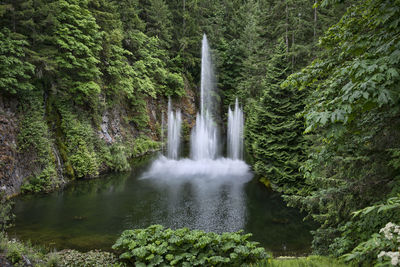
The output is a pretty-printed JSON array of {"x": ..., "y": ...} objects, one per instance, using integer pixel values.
[
  {"x": 204, "y": 138},
  {"x": 174, "y": 132},
  {"x": 235, "y": 132}
]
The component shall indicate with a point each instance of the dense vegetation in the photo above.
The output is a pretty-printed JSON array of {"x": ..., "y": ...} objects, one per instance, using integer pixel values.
[
  {"x": 319, "y": 81},
  {"x": 183, "y": 247}
]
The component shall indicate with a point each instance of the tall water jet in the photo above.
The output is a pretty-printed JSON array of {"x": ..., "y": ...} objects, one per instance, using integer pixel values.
[
  {"x": 174, "y": 132},
  {"x": 204, "y": 138},
  {"x": 235, "y": 132},
  {"x": 162, "y": 132}
]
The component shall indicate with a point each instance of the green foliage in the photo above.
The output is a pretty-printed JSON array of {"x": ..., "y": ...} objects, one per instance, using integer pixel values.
[
  {"x": 6, "y": 216},
  {"x": 311, "y": 261},
  {"x": 382, "y": 249},
  {"x": 117, "y": 159},
  {"x": 352, "y": 123},
  {"x": 273, "y": 131},
  {"x": 91, "y": 258},
  {"x": 34, "y": 138},
  {"x": 43, "y": 182},
  {"x": 20, "y": 254},
  {"x": 117, "y": 72},
  {"x": 15, "y": 71},
  {"x": 364, "y": 225},
  {"x": 76, "y": 37},
  {"x": 157, "y": 16},
  {"x": 79, "y": 139},
  {"x": 183, "y": 247},
  {"x": 142, "y": 145}
]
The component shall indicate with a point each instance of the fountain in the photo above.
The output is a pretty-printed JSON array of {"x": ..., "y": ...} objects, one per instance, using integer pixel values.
[
  {"x": 235, "y": 132},
  {"x": 216, "y": 183},
  {"x": 204, "y": 141},
  {"x": 174, "y": 131},
  {"x": 162, "y": 132}
]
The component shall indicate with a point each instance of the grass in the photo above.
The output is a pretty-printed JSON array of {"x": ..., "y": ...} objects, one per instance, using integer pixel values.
[{"x": 311, "y": 261}]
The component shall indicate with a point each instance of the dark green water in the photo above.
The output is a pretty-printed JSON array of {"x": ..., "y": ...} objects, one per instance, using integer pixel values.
[{"x": 91, "y": 214}]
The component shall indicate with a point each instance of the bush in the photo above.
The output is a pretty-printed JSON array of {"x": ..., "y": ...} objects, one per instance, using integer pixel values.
[
  {"x": 118, "y": 159},
  {"x": 40, "y": 182},
  {"x": 382, "y": 249},
  {"x": 142, "y": 145},
  {"x": 92, "y": 258},
  {"x": 21, "y": 254},
  {"x": 183, "y": 247},
  {"x": 79, "y": 142}
]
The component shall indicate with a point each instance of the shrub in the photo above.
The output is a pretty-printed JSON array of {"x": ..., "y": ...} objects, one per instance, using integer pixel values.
[
  {"x": 118, "y": 159},
  {"x": 21, "y": 254},
  {"x": 91, "y": 258},
  {"x": 382, "y": 249},
  {"x": 183, "y": 247},
  {"x": 142, "y": 145}
]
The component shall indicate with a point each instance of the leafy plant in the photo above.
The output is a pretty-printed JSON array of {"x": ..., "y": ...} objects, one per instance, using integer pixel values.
[
  {"x": 156, "y": 245},
  {"x": 21, "y": 254},
  {"x": 91, "y": 258},
  {"x": 382, "y": 248},
  {"x": 142, "y": 145}
]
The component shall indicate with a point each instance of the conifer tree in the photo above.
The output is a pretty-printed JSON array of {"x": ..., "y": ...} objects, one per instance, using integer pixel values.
[
  {"x": 117, "y": 72},
  {"x": 273, "y": 132},
  {"x": 15, "y": 72},
  {"x": 157, "y": 17}
]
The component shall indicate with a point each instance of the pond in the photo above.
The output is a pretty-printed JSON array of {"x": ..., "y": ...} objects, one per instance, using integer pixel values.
[{"x": 91, "y": 214}]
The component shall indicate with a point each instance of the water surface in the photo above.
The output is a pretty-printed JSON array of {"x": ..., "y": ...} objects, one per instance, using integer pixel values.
[{"x": 91, "y": 214}]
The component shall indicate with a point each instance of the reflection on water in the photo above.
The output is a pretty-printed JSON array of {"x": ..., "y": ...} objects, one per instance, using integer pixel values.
[
  {"x": 203, "y": 194},
  {"x": 93, "y": 213}
]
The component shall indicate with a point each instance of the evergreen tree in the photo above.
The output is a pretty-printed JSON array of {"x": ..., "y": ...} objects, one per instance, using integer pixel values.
[
  {"x": 253, "y": 54},
  {"x": 352, "y": 119},
  {"x": 117, "y": 72},
  {"x": 157, "y": 16},
  {"x": 273, "y": 132},
  {"x": 15, "y": 73}
]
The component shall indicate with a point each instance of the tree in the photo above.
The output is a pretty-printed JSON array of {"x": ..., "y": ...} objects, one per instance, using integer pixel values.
[
  {"x": 117, "y": 73},
  {"x": 15, "y": 73},
  {"x": 352, "y": 121},
  {"x": 157, "y": 16},
  {"x": 273, "y": 132}
]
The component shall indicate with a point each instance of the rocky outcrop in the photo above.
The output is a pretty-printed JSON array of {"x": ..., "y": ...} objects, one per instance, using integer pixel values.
[
  {"x": 10, "y": 171},
  {"x": 17, "y": 165}
]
